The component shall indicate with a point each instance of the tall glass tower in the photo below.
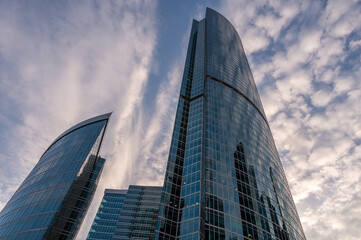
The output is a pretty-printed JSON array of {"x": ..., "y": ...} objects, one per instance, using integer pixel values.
[
  {"x": 53, "y": 199},
  {"x": 224, "y": 178}
]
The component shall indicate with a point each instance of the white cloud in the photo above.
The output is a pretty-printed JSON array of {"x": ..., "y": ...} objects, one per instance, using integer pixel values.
[
  {"x": 293, "y": 85},
  {"x": 274, "y": 102},
  {"x": 273, "y": 22},
  {"x": 341, "y": 17},
  {"x": 328, "y": 55},
  {"x": 310, "y": 40},
  {"x": 259, "y": 22},
  {"x": 355, "y": 44},
  {"x": 322, "y": 156},
  {"x": 343, "y": 84},
  {"x": 321, "y": 98},
  {"x": 259, "y": 39}
]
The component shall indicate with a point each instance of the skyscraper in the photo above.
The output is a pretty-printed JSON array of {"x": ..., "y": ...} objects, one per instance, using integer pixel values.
[
  {"x": 224, "y": 178},
  {"x": 106, "y": 219},
  {"x": 139, "y": 213},
  {"x": 127, "y": 214},
  {"x": 53, "y": 199}
]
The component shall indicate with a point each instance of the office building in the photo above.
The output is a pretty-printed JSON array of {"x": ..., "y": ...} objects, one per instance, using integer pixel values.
[
  {"x": 138, "y": 217},
  {"x": 224, "y": 178},
  {"x": 106, "y": 219},
  {"x": 53, "y": 199},
  {"x": 127, "y": 214}
]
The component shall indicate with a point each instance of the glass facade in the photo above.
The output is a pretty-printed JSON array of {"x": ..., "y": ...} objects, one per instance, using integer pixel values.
[
  {"x": 127, "y": 214},
  {"x": 53, "y": 199},
  {"x": 224, "y": 178},
  {"x": 107, "y": 216},
  {"x": 138, "y": 217}
]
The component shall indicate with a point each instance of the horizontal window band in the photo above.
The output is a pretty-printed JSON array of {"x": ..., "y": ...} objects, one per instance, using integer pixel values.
[
  {"x": 240, "y": 93},
  {"x": 193, "y": 98}
]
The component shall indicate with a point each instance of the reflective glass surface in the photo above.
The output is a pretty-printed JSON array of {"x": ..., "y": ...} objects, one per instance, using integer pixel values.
[
  {"x": 224, "y": 178},
  {"x": 138, "y": 216},
  {"x": 107, "y": 216},
  {"x": 52, "y": 200}
]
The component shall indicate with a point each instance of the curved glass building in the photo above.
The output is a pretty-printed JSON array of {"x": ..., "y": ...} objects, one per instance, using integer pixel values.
[
  {"x": 53, "y": 199},
  {"x": 224, "y": 178}
]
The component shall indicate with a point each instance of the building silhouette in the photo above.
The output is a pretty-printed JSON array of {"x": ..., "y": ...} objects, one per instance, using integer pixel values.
[
  {"x": 53, "y": 199},
  {"x": 224, "y": 178}
]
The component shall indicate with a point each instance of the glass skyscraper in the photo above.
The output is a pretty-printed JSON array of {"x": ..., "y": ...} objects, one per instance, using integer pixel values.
[
  {"x": 53, "y": 199},
  {"x": 224, "y": 178},
  {"x": 127, "y": 214},
  {"x": 106, "y": 219},
  {"x": 138, "y": 217}
]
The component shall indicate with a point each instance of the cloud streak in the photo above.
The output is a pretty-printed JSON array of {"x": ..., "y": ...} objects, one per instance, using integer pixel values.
[{"x": 61, "y": 64}]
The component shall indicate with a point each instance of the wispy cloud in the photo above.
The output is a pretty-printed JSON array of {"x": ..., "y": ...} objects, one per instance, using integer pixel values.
[
  {"x": 89, "y": 59},
  {"x": 62, "y": 63},
  {"x": 141, "y": 154},
  {"x": 307, "y": 55}
]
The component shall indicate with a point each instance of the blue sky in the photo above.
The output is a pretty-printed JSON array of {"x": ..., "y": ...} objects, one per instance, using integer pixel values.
[{"x": 64, "y": 61}]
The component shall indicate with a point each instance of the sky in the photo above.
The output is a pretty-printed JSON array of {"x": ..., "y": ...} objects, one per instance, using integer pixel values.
[{"x": 62, "y": 62}]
